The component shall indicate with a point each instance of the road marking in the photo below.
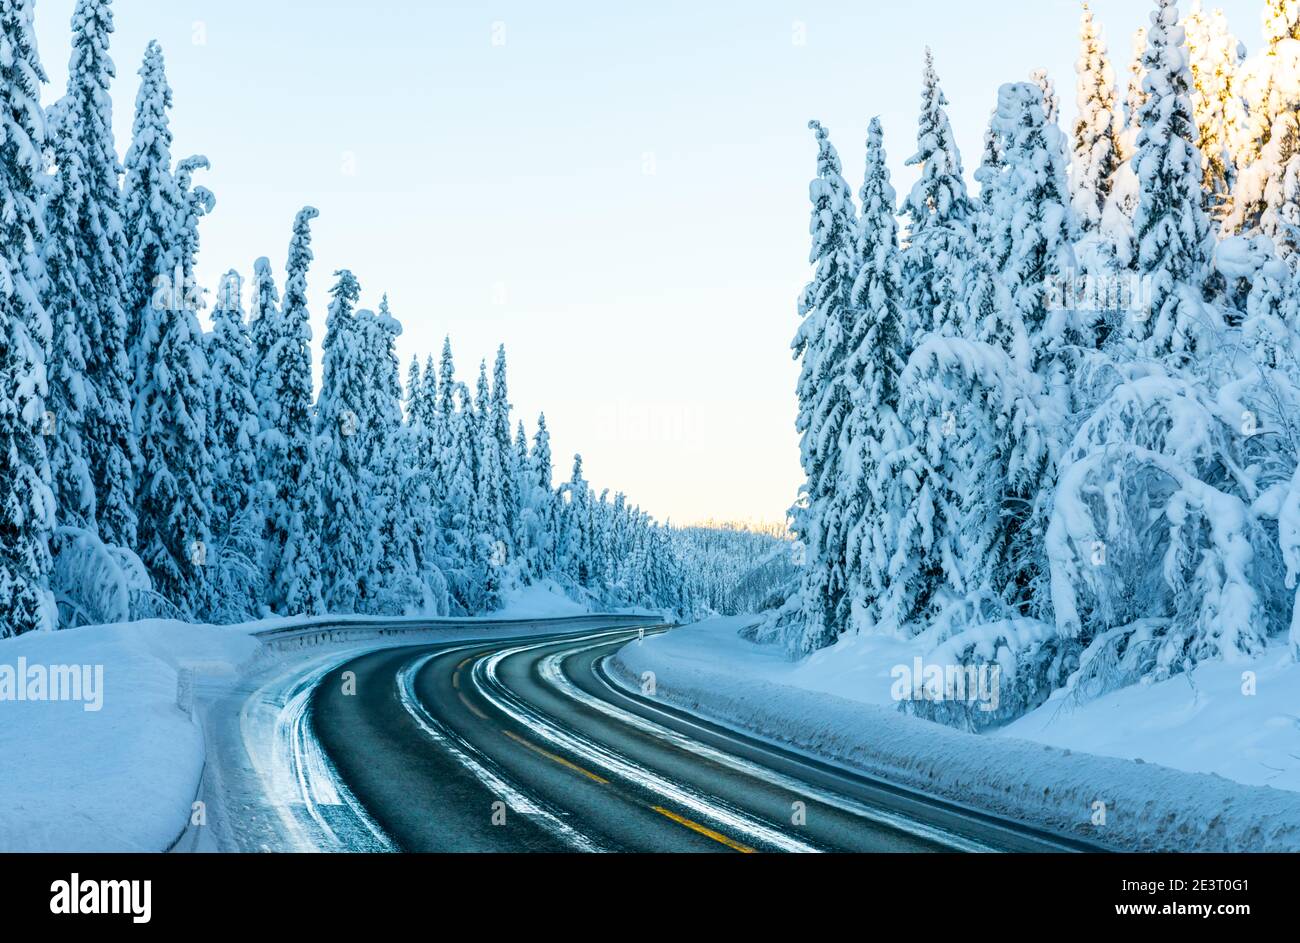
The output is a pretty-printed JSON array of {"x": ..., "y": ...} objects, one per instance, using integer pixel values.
[
  {"x": 704, "y": 830},
  {"x": 455, "y": 680},
  {"x": 485, "y": 679},
  {"x": 480, "y": 766},
  {"x": 477, "y": 713},
  {"x": 556, "y": 757},
  {"x": 465, "y": 662},
  {"x": 552, "y": 673}
]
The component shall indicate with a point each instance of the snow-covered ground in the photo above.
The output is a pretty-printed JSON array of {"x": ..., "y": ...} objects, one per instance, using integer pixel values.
[
  {"x": 120, "y": 768},
  {"x": 543, "y": 599},
  {"x": 121, "y": 778},
  {"x": 1202, "y": 721},
  {"x": 1193, "y": 734}
]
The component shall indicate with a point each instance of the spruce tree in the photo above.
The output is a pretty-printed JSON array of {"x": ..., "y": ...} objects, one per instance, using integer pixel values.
[
  {"x": 196, "y": 202},
  {"x": 96, "y": 250},
  {"x": 70, "y": 391},
  {"x": 396, "y": 527},
  {"x": 490, "y": 536},
  {"x": 1096, "y": 138},
  {"x": 1268, "y": 86},
  {"x": 989, "y": 176},
  {"x": 26, "y": 500},
  {"x": 1280, "y": 220},
  {"x": 152, "y": 207},
  {"x": 286, "y": 457},
  {"x": 824, "y": 397},
  {"x": 1117, "y": 217},
  {"x": 456, "y": 507},
  {"x": 877, "y": 344},
  {"x": 430, "y": 389},
  {"x": 504, "y": 449},
  {"x": 1271, "y": 87},
  {"x": 939, "y": 238},
  {"x": 1171, "y": 228},
  {"x": 1214, "y": 57},
  {"x": 341, "y": 426},
  {"x": 543, "y": 502},
  {"x": 445, "y": 435},
  {"x": 232, "y": 411},
  {"x": 1035, "y": 216},
  {"x": 173, "y": 469}
]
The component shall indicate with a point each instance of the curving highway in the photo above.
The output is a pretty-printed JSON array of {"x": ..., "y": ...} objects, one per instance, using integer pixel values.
[{"x": 527, "y": 745}]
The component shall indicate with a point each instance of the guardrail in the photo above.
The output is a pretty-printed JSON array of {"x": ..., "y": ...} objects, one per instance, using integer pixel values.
[{"x": 330, "y": 629}]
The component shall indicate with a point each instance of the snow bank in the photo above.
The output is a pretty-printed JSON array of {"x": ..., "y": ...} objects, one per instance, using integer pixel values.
[
  {"x": 839, "y": 708},
  {"x": 120, "y": 778},
  {"x": 1240, "y": 721},
  {"x": 543, "y": 599}
]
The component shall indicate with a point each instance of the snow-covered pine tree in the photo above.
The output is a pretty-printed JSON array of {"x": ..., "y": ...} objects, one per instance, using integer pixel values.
[
  {"x": 445, "y": 437},
  {"x": 88, "y": 156},
  {"x": 401, "y": 532},
  {"x": 1270, "y": 84},
  {"x": 286, "y": 456},
  {"x": 432, "y": 412},
  {"x": 939, "y": 239},
  {"x": 541, "y": 501},
  {"x": 989, "y": 176},
  {"x": 1280, "y": 220},
  {"x": 1265, "y": 80},
  {"x": 232, "y": 411},
  {"x": 1170, "y": 225},
  {"x": 1135, "y": 95},
  {"x": 414, "y": 395},
  {"x": 480, "y": 417},
  {"x": 235, "y": 566},
  {"x": 386, "y": 586},
  {"x": 1214, "y": 55},
  {"x": 1034, "y": 213},
  {"x": 69, "y": 392},
  {"x": 27, "y": 513},
  {"x": 876, "y": 343},
  {"x": 988, "y": 315},
  {"x": 385, "y": 388},
  {"x": 169, "y": 414},
  {"x": 456, "y": 506},
  {"x": 341, "y": 428},
  {"x": 575, "y": 547},
  {"x": 510, "y": 498},
  {"x": 174, "y": 471},
  {"x": 196, "y": 202},
  {"x": 1096, "y": 137},
  {"x": 1117, "y": 217},
  {"x": 153, "y": 206},
  {"x": 490, "y": 547},
  {"x": 420, "y": 407},
  {"x": 823, "y": 394}
]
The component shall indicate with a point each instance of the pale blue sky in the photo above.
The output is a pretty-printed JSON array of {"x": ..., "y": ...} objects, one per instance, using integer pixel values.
[{"x": 616, "y": 191}]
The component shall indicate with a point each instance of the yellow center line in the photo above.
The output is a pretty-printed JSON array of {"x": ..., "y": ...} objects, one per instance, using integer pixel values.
[
  {"x": 455, "y": 680},
  {"x": 703, "y": 830},
  {"x": 464, "y": 700},
  {"x": 551, "y": 756},
  {"x": 465, "y": 662}
]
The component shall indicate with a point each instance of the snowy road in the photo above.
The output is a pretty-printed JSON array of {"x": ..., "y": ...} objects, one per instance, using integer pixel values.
[{"x": 526, "y": 745}]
